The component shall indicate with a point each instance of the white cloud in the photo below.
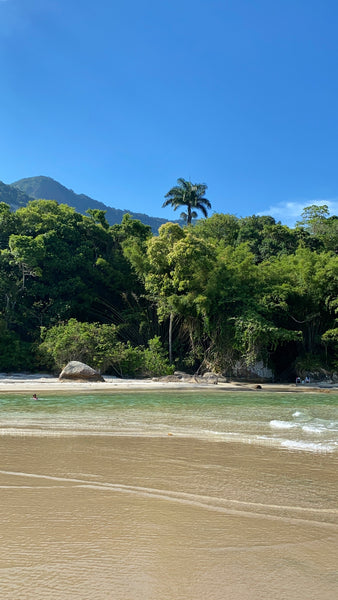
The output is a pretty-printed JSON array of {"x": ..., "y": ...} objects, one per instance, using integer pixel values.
[{"x": 290, "y": 212}]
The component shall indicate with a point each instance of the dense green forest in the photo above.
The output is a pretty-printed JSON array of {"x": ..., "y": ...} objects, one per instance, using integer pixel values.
[{"x": 221, "y": 294}]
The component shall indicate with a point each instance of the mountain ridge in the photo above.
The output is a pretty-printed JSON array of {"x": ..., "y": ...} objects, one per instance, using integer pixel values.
[
  {"x": 13, "y": 196},
  {"x": 43, "y": 187}
]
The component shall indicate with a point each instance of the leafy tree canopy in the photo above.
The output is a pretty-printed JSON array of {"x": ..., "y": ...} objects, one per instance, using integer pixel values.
[{"x": 191, "y": 195}]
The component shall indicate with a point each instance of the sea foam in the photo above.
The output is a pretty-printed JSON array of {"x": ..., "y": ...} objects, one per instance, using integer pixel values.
[
  {"x": 275, "y": 424},
  {"x": 308, "y": 446}
]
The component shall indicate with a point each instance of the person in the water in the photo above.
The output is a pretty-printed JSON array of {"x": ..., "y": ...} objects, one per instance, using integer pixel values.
[{"x": 35, "y": 397}]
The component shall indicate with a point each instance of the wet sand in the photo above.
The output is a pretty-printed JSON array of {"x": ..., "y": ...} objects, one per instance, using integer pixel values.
[{"x": 143, "y": 518}]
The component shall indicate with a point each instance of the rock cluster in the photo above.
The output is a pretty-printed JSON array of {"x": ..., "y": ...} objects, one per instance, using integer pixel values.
[{"x": 180, "y": 376}]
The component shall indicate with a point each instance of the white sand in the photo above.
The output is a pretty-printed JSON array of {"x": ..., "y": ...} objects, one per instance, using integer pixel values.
[
  {"x": 18, "y": 382},
  {"x": 41, "y": 382}
]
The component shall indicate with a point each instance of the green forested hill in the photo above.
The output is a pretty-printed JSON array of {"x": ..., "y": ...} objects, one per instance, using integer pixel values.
[
  {"x": 49, "y": 189},
  {"x": 13, "y": 196}
]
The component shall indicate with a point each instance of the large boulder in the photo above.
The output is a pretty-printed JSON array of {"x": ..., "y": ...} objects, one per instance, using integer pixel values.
[
  {"x": 210, "y": 377},
  {"x": 255, "y": 373},
  {"x": 78, "y": 371}
]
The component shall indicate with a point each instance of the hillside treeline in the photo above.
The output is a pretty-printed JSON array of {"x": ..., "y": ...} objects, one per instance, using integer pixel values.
[{"x": 220, "y": 295}]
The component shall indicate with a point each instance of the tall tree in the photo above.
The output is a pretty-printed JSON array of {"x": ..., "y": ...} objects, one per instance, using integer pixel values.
[
  {"x": 179, "y": 265},
  {"x": 190, "y": 195},
  {"x": 313, "y": 217}
]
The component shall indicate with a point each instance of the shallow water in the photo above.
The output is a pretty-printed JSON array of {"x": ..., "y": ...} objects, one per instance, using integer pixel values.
[
  {"x": 306, "y": 422},
  {"x": 98, "y": 501}
]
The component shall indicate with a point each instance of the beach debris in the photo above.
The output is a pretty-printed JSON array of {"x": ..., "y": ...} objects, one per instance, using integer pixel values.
[{"x": 78, "y": 371}]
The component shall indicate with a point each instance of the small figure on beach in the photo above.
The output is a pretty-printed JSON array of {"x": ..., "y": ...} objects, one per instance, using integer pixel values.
[
  {"x": 34, "y": 397},
  {"x": 298, "y": 380},
  {"x": 307, "y": 379}
]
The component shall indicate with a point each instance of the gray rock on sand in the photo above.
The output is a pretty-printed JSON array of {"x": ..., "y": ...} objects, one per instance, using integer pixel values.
[
  {"x": 180, "y": 377},
  {"x": 78, "y": 371},
  {"x": 168, "y": 379},
  {"x": 210, "y": 377}
]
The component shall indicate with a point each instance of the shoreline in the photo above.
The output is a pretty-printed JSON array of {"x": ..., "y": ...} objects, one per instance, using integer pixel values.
[{"x": 42, "y": 382}]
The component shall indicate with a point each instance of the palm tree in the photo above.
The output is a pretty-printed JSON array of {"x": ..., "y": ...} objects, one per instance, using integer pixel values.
[{"x": 190, "y": 195}]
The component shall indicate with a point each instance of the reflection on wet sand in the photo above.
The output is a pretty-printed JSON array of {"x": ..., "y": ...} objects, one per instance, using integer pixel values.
[{"x": 167, "y": 518}]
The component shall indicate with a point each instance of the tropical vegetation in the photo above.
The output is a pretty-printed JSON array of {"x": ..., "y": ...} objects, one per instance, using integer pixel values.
[
  {"x": 191, "y": 195},
  {"x": 221, "y": 293}
]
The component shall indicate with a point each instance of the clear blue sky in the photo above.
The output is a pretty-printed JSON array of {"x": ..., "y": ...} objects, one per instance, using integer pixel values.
[{"x": 118, "y": 98}]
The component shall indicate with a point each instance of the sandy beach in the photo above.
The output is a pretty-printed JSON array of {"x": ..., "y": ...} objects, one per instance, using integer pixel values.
[
  {"x": 170, "y": 495},
  {"x": 142, "y": 519},
  {"x": 41, "y": 382}
]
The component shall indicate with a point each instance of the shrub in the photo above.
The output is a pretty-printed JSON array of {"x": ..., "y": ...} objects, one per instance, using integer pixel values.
[
  {"x": 155, "y": 359},
  {"x": 97, "y": 345},
  {"x": 91, "y": 343},
  {"x": 15, "y": 354}
]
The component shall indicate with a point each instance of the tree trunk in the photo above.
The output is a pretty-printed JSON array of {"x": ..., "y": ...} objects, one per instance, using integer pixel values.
[
  {"x": 171, "y": 318},
  {"x": 189, "y": 215}
]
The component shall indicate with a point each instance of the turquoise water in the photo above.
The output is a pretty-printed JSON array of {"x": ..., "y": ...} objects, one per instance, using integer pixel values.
[{"x": 305, "y": 422}]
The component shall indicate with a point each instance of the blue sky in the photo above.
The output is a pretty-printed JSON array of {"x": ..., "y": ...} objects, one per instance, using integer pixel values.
[{"x": 118, "y": 98}]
